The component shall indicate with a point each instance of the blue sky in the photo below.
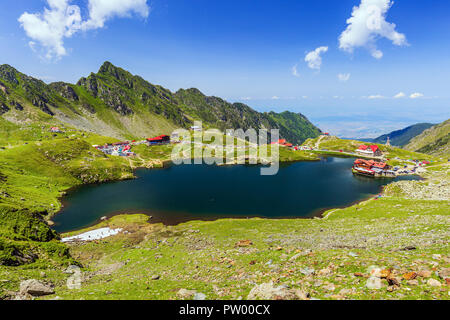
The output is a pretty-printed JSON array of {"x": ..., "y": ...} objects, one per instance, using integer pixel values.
[{"x": 246, "y": 51}]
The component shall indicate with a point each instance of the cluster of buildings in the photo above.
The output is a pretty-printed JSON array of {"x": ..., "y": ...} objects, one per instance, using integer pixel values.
[
  {"x": 123, "y": 149},
  {"x": 373, "y": 168}
]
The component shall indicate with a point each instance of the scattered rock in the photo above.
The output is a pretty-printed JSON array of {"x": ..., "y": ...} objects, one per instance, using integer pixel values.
[
  {"x": 325, "y": 272},
  {"x": 199, "y": 296},
  {"x": 295, "y": 257},
  {"x": 393, "y": 281},
  {"x": 434, "y": 283},
  {"x": 386, "y": 273},
  {"x": 374, "y": 271},
  {"x": 75, "y": 280},
  {"x": 307, "y": 271},
  {"x": 412, "y": 283},
  {"x": 186, "y": 294},
  {"x": 267, "y": 291},
  {"x": 408, "y": 248},
  {"x": 345, "y": 292},
  {"x": 329, "y": 287},
  {"x": 156, "y": 277},
  {"x": 374, "y": 283},
  {"x": 424, "y": 274},
  {"x": 35, "y": 288},
  {"x": 243, "y": 244},
  {"x": 445, "y": 273},
  {"x": 410, "y": 276}
]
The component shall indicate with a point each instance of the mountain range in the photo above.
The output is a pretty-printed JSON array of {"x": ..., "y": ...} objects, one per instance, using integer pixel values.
[
  {"x": 115, "y": 103},
  {"x": 402, "y": 137}
]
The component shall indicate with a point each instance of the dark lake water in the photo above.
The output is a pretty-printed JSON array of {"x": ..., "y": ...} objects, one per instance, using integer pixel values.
[{"x": 182, "y": 193}]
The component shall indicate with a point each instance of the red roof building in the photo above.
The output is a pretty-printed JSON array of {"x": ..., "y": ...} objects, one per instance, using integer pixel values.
[
  {"x": 372, "y": 150},
  {"x": 159, "y": 140}
]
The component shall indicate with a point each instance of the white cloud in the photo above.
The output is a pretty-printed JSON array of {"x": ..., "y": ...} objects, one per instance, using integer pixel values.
[
  {"x": 377, "y": 96},
  {"x": 275, "y": 98},
  {"x": 62, "y": 20},
  {"x": 416, "y": 95},
  {"x": 367, "y": 24},
  {"x": 344, "y": 77},
  {"x": 49, "y": 28},
  {"x": 314, "y": 59},
  {"x": 102, "y": 10},
  {"x": 295, "y": 71},
  {"x": 400, "y": 95}
]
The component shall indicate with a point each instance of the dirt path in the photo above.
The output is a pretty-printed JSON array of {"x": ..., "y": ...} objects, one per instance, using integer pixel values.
[{"x": 317, "y": 146}]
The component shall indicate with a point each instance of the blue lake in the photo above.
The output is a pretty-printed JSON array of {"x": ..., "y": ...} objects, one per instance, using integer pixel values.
[{"x": 191, "y": 192}]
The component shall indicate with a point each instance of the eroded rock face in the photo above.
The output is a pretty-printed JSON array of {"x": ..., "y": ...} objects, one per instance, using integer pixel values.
[
  {"x": 65, "y": 90},
  {"x": 41, "y": 103},
  {"x": 16, "y": 105},
  {"x": 3, "y": 108},
  {"x": 3, "y": 88},
  {"x": 35, "y": 288}
]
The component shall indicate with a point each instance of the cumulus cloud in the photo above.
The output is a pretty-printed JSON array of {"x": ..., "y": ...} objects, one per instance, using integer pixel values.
[
  {"x": 368, "y": 24},
  {"x": 344, "y": 77},
  {"x": 62, "y": 20},
  {"x": 416, "y": 95},
  {"x": 314, "y": 58},
  {"x": 102, "y": 10},
  {"x": 400, "y": 95}
]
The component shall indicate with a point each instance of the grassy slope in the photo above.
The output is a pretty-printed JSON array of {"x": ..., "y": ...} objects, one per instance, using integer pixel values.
[
  {"x": 333, "y": 145},
  {"x": 435, "y": 141},
  {"x": 33, "y": 175},
  {"x": 402, "y": 137},
  {"x": 201, "y": 255}
]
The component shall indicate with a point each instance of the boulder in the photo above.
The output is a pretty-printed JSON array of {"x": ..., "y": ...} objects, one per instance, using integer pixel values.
[
  {"x": 444, "y": 273},
  {"x": 434, "y": 283},
  {"x": 374, "y": 283},
  {"x": 267, "y": 291},
  {"x": 186, "y": 294},
  {"x": 410, "y": 276},
  {"x": 35, "y": 288}
]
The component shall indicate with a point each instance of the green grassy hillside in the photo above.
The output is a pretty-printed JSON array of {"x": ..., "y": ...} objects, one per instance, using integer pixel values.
[
  {"x": 115, "y": 103},
  {"x": 405, "y": 235},
  {"x": 402, "y": 137},
  {"x": 435, "y": 141}
]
